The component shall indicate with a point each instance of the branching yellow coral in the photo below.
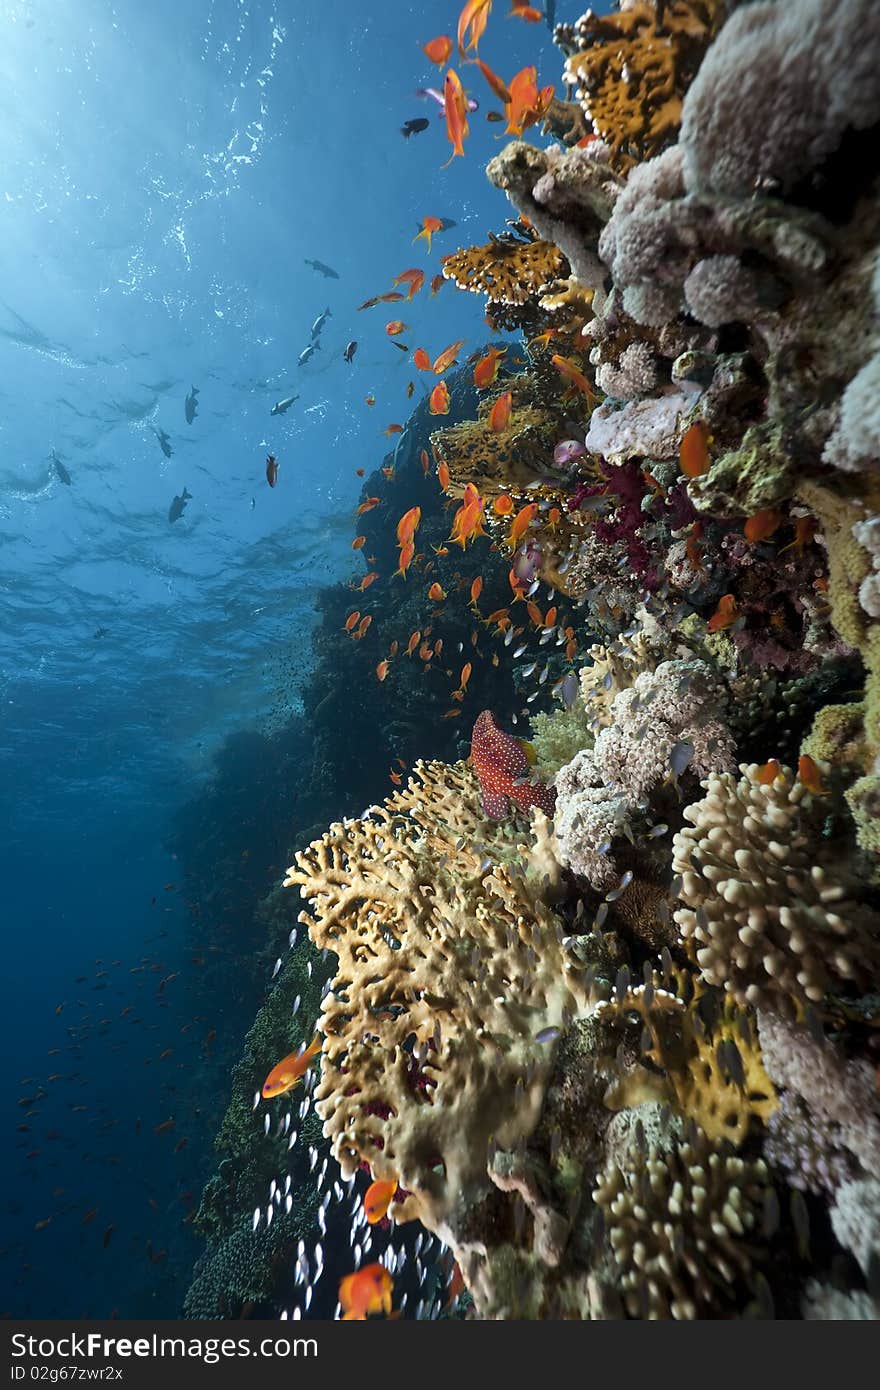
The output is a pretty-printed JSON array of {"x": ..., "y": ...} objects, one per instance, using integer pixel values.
[
  {"x": 450, "y": 967},
  {"x": 713, "y": 1070},
  {"x": 630, "y": 70},
  {"x": 507, "y": 271}
]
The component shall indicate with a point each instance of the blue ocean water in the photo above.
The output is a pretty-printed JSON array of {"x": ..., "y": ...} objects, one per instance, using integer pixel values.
[{"x": 167, "y": 171}]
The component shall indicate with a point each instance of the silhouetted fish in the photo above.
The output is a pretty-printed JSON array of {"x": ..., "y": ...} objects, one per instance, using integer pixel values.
[
  {"x": 61, "y": 470},
  {"x": 323, "y": 269},
  {"x": 177, "y": 506},
  {"x": 414, "y": 127},
  {"x": 164, "y": 443},
  {"x": 191, "y": 404},
  {"x": 281, "y": 406}
]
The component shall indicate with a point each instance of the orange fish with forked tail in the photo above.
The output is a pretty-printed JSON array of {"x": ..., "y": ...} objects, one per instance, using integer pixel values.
[
  {"x": 430, "y": 225},
  {"x": 472, "y": 25},
  {"x": 467, "y": 523},
  {"x": 414, "y": 279},
  {"x": 447, "y": 358},
  {"x": 521, "y": 523},
  {"x": 486, "y": 369},
  {"x": 456, "y": 108},
  {"x": 286, "y": 1073},
  {"x": 499, "y": 415},
  {"x": 570, "y": 372},
  {"x": 366, "y": 1291}
]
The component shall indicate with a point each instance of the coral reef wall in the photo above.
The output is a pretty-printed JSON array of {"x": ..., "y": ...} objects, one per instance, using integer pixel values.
[{"x": 622, "y": 1058}]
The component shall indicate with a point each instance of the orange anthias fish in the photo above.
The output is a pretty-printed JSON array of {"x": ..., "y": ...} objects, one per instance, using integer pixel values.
[
  {"x": 521, "y": 9},
  {"x": 456, "y": 107},
  {"x": 421, "y": 360},
  {"x": 500, "y": 89},
  {"x": 369, "y": 400},
  {"x": 271, "y": 470},
  {"x": 366, "y": 1291},
  {"x": 527, "y": 102},
  {"x": 443, "y": 475},
  {"x": 393, "y": 429},
  {"x": 437, "y": 282},
  {"x": 377, "y": 1200},
  {"x": 486, "y": 369},
  {"x": 407, "y": 554},
  {"x": 362, "y": 627},
  {"x": 430, "y": 225},
  {"x": 693, "y": 451},
  {"x": 805, "y": 528},
  {"x": 413, "y": 278},
  {"x": 467, "y": 523},
  {"x": 572, "y": 374},
  {"x": 395, "y": 328},
  {"x": 472, "y": 25},
  {"x": 768, "y": 772},
  {"x": 465, "y": 676},
  {"x": 447, "y": 358},
  {"x": 367, "y": 580},
  {"x": 761, "y": 526},
  {"x": 408, "y": 525},
  {"x": 438, "y": 401},
  {"x": 285, "y": 1075},
  {"x": 725, "y": 614},
  {"x": 437, "y": 593},
  {"x": 503, "y": 505},
  {"x": 359, "y": 542},
  {"x": 499, "y": 415},
  {"x": 415, "y": 639},
  {"x": 438, "y": 50},
  {"x": 352, "y": 620},
  {"x": 382, "y": 670},
  {"x": 476, "y": 589},
  {"x": 521, "y": 523},
  {"x": 367, "y": 506},
  {"x": 810, "y": 776}
]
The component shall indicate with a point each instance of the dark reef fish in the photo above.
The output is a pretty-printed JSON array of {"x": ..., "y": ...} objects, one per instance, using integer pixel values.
[
  {"x": 271, "y": 470},
  {"x": 164, "y": 443},
  {"x": 350, "y": 350},
  {"x": 326, "y": 270},
  {"x": 177, "y": 506},
  {"x": 307, "y": 352},
  {"x": 501, "y": 763},
  {"x": 61, "y": 470},
  {"x": 191, "y": 404},
  {"x": 281, "y": 406},
  {"x": 414, "y": 127}
]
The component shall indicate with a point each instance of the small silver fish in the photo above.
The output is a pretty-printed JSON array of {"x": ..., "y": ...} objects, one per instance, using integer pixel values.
[{"x": 548, "y": 1035}]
